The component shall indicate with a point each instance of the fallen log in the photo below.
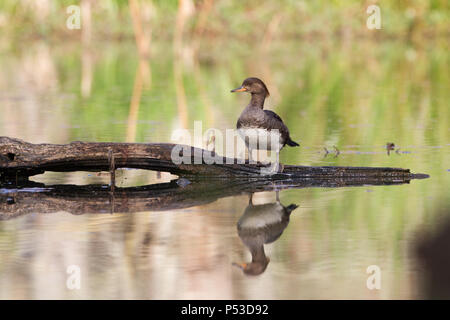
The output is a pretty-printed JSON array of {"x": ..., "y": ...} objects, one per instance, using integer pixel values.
[{"x": 20, "y": 160}]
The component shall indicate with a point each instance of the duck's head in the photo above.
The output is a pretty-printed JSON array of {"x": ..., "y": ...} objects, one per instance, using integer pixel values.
[
  {"x": 253, "y": 86},
  {"x": 253, "y": 268}
]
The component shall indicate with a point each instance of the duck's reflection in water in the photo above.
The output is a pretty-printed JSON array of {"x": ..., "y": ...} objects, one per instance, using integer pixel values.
[{"x": 260, "y": 225}]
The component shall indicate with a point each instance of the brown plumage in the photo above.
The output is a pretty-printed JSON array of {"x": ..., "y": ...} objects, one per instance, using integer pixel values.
[{"x": 254, "y": 117}]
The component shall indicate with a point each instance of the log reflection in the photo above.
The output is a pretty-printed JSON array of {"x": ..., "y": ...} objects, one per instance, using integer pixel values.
[{"x": 34, "y": 197}]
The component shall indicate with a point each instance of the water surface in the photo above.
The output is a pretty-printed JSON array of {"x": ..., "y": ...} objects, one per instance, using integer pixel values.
[{"x": 355, "y": 96}]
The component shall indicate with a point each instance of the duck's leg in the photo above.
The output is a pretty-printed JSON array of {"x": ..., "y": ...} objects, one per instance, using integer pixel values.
[
  {"x": 273, "y": 167},
  {"x": 250, "y": 199},
  {"x": 280, "y": 166},
  {"x": 277, "y": 195},
  {"x": 277, "y": 160}
]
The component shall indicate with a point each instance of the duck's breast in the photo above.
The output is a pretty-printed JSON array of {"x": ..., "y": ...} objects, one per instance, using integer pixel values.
[
  {"x": 261, "y": 138},
  {"x": 261, "y": 216}
]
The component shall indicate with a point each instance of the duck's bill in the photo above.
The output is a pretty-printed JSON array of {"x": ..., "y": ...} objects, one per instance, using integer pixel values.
[
  {"x": 240, "y": 265},
  {"x": 240, "y": 89}
]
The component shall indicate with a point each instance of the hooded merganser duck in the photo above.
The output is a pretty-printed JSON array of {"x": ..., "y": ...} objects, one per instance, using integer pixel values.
[
  {"x": 256, "y": 125},
  {"x": 259, "y": 225}
]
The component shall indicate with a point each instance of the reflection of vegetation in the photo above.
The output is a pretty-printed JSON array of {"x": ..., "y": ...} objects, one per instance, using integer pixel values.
[{"x": 338, "y": 84}]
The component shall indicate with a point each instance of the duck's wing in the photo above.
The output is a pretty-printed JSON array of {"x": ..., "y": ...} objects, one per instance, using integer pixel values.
[
  {"x": 273, "y": 121},
  {"x": 273, "y": 115}
]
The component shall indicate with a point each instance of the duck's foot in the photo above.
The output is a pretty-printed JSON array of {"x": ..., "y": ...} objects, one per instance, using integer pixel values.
[{"x": 272, "y": 169}]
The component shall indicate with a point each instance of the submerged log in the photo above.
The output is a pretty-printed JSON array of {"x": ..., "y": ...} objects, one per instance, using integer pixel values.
[{"x": 20, "y": 159}]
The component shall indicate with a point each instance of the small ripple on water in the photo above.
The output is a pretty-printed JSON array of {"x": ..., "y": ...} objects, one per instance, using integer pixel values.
[{"x": 36, "y": 190}]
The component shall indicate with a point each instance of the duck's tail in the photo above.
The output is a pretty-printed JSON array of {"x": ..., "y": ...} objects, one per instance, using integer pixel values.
[
  {"x": 291, "y": 143},
  {"x": 291, "y": 208}
]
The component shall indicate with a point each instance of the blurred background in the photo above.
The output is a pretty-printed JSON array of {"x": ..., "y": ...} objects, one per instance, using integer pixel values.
[{"x": 138, "y": 70}]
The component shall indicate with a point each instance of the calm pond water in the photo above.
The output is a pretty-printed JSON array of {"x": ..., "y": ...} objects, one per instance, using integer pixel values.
[{"x": 356, "y": 96}]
